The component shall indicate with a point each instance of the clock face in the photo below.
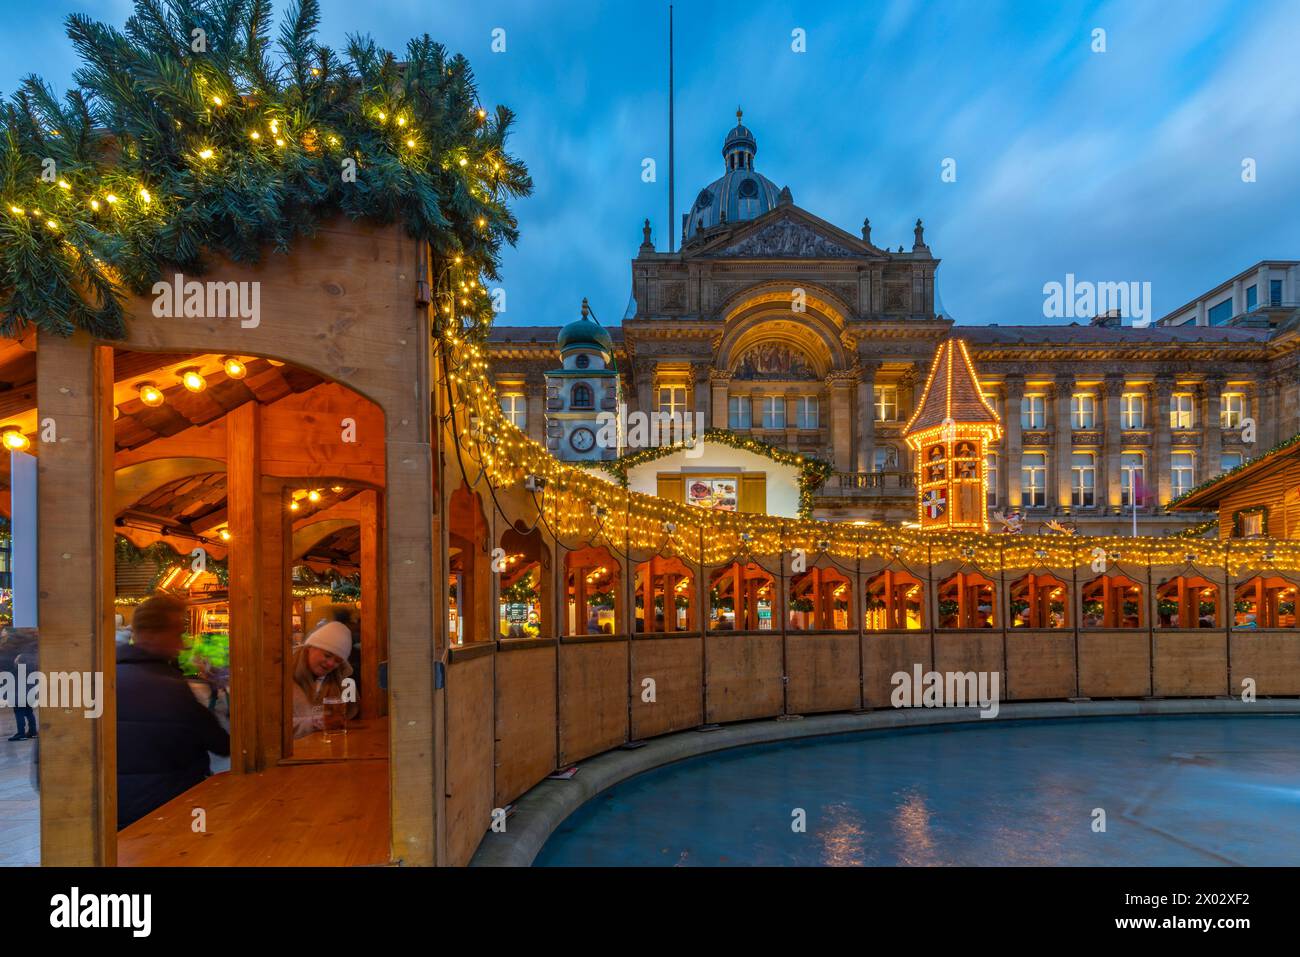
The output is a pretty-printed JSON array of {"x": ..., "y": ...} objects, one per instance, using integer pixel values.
[{"x": 582, "y": 440}]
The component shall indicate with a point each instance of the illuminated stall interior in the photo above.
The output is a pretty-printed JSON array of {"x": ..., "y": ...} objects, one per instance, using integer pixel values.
[
  {"x": 1188, "y": 601},
  {"x": 820, "y": 600},
  {"x": 523, "y": 608},
  {"x": 593, "y": 597},
  {"x": 1265, "y": 601},
  {"x": 667, "y": 583},
  {"x": 470, "y": 577},
  {"x": 894, "y": 601},
  {"x": 965, "y": 600},
  {"x": 1039, "y": 601},
  {"x": 1111, "y": 601},
  {"x": 741, "y": 598}
]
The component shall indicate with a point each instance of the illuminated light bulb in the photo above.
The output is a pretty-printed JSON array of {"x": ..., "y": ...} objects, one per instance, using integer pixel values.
[
  {"x": 64, "y": 184},
  {"x": 383, "y": 117},
  {"x": 192, "y": 380},
  {"x": 254, "y": 135},
  {"x": 144, "y": 195},
  {"x": 16, "y": 210},
  {"x": 334, "y": 141},
  {"x": 205, "y": 154},
  {"x": 218, "y": 101},
  {"x": 293, "y": 506},
  {"x": 410, "y": 142},
  {"x": 401, "y": 121},
  {"x": 94, "y": 204},
  {"x": 278, "y": 141},
  {"x": 463, "y": 161},
  {"x": 111, "y": 199},
  {"x": 482, "y": 114},
  {"x": 51, "y": 224},
  {"x": 313, "y": 496},
  {"x": 315, "y": 71},
  {"x": 235, "y": 368},
  {"x": 482, "y": 222},
  {"x": 336, "y": 489},
  {"x": 225, "y": 534},
  {"x": 13, "y": 439},
  {"x": 275, "y": 126},
  {"x": 150, "y": 394}
]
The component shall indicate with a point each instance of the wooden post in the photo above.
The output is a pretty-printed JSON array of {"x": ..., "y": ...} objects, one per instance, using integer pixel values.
[
  {"x": 272, "y": 551},
  {"x": 243, "y": 488},
  {"x": 75, "y": 565},
  {"x": 374, "y": 603}
]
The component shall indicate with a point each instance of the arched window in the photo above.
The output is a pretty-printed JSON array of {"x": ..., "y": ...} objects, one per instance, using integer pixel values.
[
  {"x": 820, "y": 600},
  {"x": 1264, "y": 601},
  {"x": 1039, "y": 601},
  {"x": 1112, "y": 601},
  {"x": 665, "y": 596},
  {"x": 966, "y": 601},
  {"x": 1188, "y": 601},
  {"x": 591, "y": 592},
  {"x": 894, "y": 600},
  {"x": 580, "y": 397},
  {"x": 741, "y": 598}
]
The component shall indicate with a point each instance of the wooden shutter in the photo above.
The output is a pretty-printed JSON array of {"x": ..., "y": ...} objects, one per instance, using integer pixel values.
[
  {"x": 670, "y": 486},
  {"x": 753, "y": 493}
]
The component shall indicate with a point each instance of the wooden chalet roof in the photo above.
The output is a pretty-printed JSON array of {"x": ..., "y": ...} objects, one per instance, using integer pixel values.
[
  {"x": 952, "y": 392},
  {"x": 1208, "y": 495}
]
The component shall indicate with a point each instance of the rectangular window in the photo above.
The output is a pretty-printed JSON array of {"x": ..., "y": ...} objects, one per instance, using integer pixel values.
[
  {"x": 806, "y": 410},
  {"x": 1132, "y": 476},
  {"x": 1033, "y": 479},
  {"x": 1252, "y": 299},
  {"x": 1275, "y": 292},
  {"x": 515, "y": 408},
  {"x": 1250, "y": 524},
  {"x": 1132, "y": 410},
  {"x": 774, "y": 412},
  {"x": 886, "y": 398},
  {"x": 1232, "y": 409},
  {"x": 739, "y": 412},
  {"x": 1221, "y": 313},
  {"x": 672, "y": 399},
  {"x": 1083, "y": 480},
  {"x": 1229, "y": 461},
  {"x": 1033, "y": 412},
  {"x": 1182, "y": 413},
  {"x": 1182, "y": 468},
  {"x": 991, "y": 473},
  {"x": 1083, "y": 410}
]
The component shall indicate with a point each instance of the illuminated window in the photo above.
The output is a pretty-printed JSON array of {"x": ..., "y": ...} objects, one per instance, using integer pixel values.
[
  {"x": 1033, "y": 412},
  {"x": 739, "y": 412},
  {"x": 991, "y": 470},
  {"x": 1083, "y": 410},
  {"x": 1182, "y": 470},
  {"x": 886, "y": 399},
  {"x": 672, "y": 399},
  {"x": 1083, "y": 479},
  {"x": 1232, "y": 410},
  {"x": 774, "y": 412},
  {"x": 1131, "y": 474},
  {"x": 1181, "y": 410},
  {"x": 515, "y": 408},
  {"x": 806, "y": 409},
  {"x": 1132, "y": 410},
  {"x": 1033, "y": 479}
]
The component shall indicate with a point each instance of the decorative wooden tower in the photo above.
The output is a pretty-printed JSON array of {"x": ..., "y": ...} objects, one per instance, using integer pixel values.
[{"x": 950, "y": 431}]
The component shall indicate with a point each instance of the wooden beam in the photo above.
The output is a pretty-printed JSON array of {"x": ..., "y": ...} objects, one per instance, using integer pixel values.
[
  {"x": 78, "y": 767},
  {"x": 243, "y": 490},
  {"x": 373, "y": 605}
]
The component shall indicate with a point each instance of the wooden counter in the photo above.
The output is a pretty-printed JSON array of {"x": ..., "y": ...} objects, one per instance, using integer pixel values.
[
  {"x": 366, "y": 739},
  {"x": 304, "y": 815}
]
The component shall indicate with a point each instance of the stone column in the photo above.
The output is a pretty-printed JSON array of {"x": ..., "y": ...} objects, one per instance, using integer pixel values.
[
  {"x": 1212, "y": 430},
  {"x": 1014, "y": 389},
  {"x": 1063, "y": 437},
  {"x": 791, "y": 417},
  {"x": 643, "y": 372},
  {"x": 866, "y": 418},
  {"x": 702, "y": 395},
  {"x": 1113, "y": 443},
  {"x": 721, "y": 382},
  {"x": 755, "y": 410},
  {"x": 841, "y": 419},
  {"x": 1161, "y": 391}
]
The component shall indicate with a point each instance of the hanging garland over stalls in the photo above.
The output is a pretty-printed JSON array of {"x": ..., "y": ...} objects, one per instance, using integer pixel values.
[
  {"x": 813, "y": 472},
  {"x": 190, "y": 130},
  {"x": 167, "y": 558}
]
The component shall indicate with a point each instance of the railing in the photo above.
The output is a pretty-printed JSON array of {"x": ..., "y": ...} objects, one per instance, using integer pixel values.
[{"x": 878, "y": 483}]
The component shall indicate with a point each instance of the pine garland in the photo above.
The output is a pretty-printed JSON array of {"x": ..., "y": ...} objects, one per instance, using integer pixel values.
[
  {"x": 170, "y": 146},
  {"x": 1232, "y": 471},
  {"x": 813, "y": 472},
  {"x": 166, "y": 558}
]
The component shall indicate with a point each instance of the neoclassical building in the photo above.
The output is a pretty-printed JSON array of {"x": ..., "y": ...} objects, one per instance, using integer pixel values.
[{"x": 772, "y": 322}]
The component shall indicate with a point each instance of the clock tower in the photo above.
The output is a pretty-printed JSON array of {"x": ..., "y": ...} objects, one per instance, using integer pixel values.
[{"x": 580, "y": 390}]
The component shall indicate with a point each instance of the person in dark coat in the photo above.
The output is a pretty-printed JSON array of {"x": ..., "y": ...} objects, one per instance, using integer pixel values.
[
  {"x": 18, "y": 646},
  {"x": 163, "y": 733}
]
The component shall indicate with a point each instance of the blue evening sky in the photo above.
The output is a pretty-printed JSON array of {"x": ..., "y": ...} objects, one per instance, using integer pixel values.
[{"x": 1115, "y": 166}]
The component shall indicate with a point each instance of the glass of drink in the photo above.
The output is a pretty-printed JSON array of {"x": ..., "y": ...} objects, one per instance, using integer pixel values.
[{"x": 334, "y": 717}]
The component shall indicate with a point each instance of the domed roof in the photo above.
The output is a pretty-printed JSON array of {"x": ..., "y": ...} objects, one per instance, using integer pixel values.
[
  {"x": 740, "y": 194},
  {"x": 584, "y": 333}
]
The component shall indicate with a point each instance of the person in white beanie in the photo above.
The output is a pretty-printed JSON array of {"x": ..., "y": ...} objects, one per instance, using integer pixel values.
[{"x": 319, "y": 668}]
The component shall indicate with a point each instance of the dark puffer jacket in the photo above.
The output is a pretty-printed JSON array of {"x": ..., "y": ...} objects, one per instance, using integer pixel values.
[{"x": 163, "y": 734}]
